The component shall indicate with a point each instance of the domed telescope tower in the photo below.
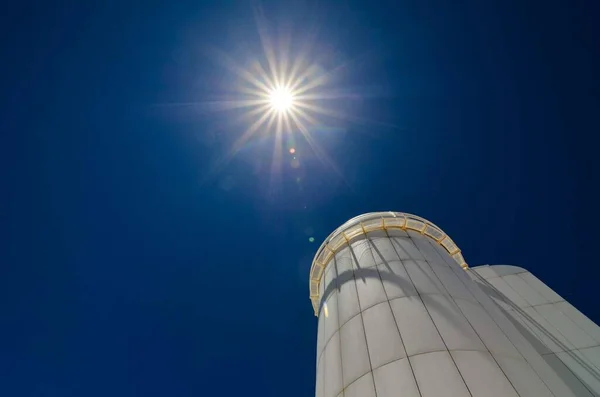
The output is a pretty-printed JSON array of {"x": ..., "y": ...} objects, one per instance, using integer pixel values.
[{"x": 402, "y": 314}]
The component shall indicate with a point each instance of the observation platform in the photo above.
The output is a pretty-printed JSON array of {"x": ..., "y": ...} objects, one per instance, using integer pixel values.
[{"x": 358, "y": 227}]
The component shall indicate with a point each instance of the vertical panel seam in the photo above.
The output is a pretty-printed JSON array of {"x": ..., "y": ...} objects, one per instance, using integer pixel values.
[
  {"x": 337, "y": 307},
  {"x": 412, "y": 371},
  {"x": 451, "y": 298},
  {"x": 362, "y": 320},
  {"x": 436, "y": 328}
]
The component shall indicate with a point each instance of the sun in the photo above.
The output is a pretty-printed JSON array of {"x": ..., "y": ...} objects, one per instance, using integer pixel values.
[
  {"x": 281, "y": 99},
  {"x": 285, "y": 92}
]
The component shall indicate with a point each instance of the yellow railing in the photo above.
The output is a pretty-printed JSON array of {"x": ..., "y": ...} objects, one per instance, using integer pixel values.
[{"x": 363, "y": 224}]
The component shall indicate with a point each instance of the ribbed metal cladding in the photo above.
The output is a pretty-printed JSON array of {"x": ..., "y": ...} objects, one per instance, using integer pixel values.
[{"x": 399, "y": 316}]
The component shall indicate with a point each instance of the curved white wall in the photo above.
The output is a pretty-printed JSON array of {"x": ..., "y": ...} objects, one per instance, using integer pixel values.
[{"x": 398, "y": 316}]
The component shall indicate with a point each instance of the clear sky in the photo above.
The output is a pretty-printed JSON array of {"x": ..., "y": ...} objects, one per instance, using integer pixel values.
[{"x": 135, "y": 262}]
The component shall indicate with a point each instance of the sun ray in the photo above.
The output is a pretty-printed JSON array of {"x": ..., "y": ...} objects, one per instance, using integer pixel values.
[
  {"x": 315, "y": 146},
  {"x": 260, "y": 71},
  {"x": 232, "y": 66},
  {"x": 300, "y": 60},
  {"x": 309, "y": 74},
  {"x": 266, "y": 44},
  {"x": 284, "y": 48},
  {"x": 276, "y": 160},
  {"x": 314, "y": 83},
  {"x": 217, "y": 105},
  {"x": 323, "y": 96},
  {"x": 310, "y": 119},
  {"x": 252, "y": 92},
  {"x": 319, "y": 109},
  {"x": 240, "y": 142},
  {"x": 343, "y": 116},
  {"x": 250, "y": 131},
  {"x": 321, "y": 80}
]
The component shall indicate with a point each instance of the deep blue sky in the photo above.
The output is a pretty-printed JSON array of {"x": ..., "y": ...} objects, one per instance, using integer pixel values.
[{"x": 124, "y": 271}]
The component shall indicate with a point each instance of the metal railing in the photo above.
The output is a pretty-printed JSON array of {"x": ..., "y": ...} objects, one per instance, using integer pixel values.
[{"x": 363, "y": 224}]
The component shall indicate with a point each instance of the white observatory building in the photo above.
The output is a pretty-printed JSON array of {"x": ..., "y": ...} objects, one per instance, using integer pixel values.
[{"x": 401, "y": 314}]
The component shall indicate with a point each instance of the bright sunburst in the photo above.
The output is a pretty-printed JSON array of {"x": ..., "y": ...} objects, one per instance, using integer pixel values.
[
  {"x": 281, "y": 99},
  {"x": 279, "y": 94},
  {"x": 283, "y": 92}
]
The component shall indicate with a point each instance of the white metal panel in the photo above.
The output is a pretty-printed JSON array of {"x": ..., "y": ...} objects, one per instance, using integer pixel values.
[
  {"x": 463, "y": 276},
  {"x": 333, "y": 367},
  {"x": 503, "y": 270},
  {"x": 587, "y": 325},
  {"x": 540, "y": 287},
  {"x": 343, "y": 258},
  {"x": 370, "y": 289},
  {"x": 348, "y": 306},
  {"x": 321, "y": 335},
  {"x": 523, "y": 377},
  {"x": 383, "y": 338},
  {"x": 395, "y": 379},
  {"x": 580, "y": 357},
  {"x": 377, "y": 233},
  {"x": 437, "y": 375},
  {"x": 330, "y": 278},
  {"x": 563, "y": 382},
  {"x": 415, "y": 235},
  {"x": 551, "y": 373},
  {"x": 483, "y": 376},
  {"x": 452, "y": 325},
  {"x": 525, "y": 291},
  {"x": 545, "y": 332},
  {"x": 451, "y": 282},
  {"x": 423, "y": 278},
  {"x": 396, "y": 282},
  {"x": 477, "y": 288},
  {"x": 361, "y": 252},
  {"x": 592, "y": 354},
  {"x": 430, "y": 254},
  {"x": 330, "y": 316},
  {"x": 406, "y": 248},
  {"x": 416, "y": 328},
  {"x": 523, "y": 345},
  {"x": 582, "y": 369},
  {"x": 355, "y": 357},
  {"x": 363, "y": 387},
  {"x": 484, "y": 271},
  {"x": 492, "y": 336},
  {"x": 575, "y": 335},
  {"x": 443, "y": 254},
  {"x": 396, "y": 233},
  {"x": 383, "y": 251},
  {"x": 320, "y": 384},
  {"x": 501, "y": 286}
]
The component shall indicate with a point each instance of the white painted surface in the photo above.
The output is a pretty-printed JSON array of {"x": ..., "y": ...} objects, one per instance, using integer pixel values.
[
  {"x": 395, "y": 379},
  {"x": 567, "y": 340},
  {"x": 403, "y": 319},
  {"x": 437, "y": 375}
]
